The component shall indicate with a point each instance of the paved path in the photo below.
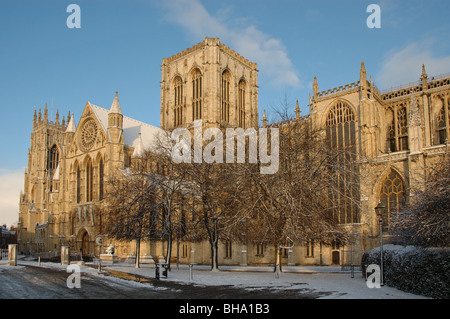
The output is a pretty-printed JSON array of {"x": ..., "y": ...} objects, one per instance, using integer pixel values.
[{"x": 32, "y": 282}]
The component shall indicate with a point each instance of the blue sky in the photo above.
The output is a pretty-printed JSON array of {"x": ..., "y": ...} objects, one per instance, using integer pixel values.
[{"x": 120, "y": 46}]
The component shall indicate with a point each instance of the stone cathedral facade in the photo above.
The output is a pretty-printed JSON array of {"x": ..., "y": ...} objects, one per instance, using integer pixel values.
[{"x": 395, "y": 136}]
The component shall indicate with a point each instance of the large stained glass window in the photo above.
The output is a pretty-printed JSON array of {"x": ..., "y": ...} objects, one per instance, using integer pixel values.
[{"x": 341, "y": 138}]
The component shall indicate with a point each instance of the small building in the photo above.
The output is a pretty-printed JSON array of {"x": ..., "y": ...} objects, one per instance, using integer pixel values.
[{"x": 7, "y": 236}]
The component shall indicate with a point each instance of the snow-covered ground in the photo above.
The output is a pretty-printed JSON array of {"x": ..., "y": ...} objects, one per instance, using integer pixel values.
[
  {"x": 321, "y": 279},
  {"x": 338, "y": 284}
]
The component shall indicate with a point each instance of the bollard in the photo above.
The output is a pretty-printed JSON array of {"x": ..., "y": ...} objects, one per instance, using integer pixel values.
[
  {"x": 352, "y": 269},
  {"x": 12, "y": 254},
  {"x": 39, "y": 260},
  {"x": 190, "y": 273},
  {"x": 157, "y": 271},
  {"x": 65, "y": 255}
]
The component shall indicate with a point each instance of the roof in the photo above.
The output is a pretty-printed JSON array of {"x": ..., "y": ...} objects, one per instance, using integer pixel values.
[
  {"x": 139, "y": 149},
  {"x": 135, "y": 133}
]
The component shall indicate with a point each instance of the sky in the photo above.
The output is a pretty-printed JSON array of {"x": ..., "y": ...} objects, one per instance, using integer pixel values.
[{"x": 120, "y": 45}]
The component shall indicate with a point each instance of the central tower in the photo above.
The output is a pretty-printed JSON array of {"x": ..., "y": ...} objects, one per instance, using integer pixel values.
[{"x": 209, "y": 82}]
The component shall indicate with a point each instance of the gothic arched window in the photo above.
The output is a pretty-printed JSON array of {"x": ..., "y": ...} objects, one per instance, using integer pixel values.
[
  {"x": 397, "y": 131},
  {"x": 78, "y": 182},
  {"x": 391, "y": 140},
  {"x": 392, "y": 197},
  {"x": 100, "y": 179},
  {"x": 178, "y": 101},
  {"x": 402, "y": 129},
  {"x": 89, "y": 176},
  {"x": 53, "y": 158},
  {"x": 226, "y": 80},
  {"x": 443, "y": 123},
  {"x": 241, "y": 104},
  {"x": 341, "y": 127},
  {"x": 196, "y": 95},
  {"x": 341, "y": 139}
]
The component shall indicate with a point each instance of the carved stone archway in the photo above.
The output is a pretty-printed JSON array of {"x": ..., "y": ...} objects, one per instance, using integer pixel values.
[{"x": 85, "y": 243}]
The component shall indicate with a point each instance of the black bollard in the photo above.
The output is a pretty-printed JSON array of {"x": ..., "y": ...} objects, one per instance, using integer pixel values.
[{"x": 157, "y": 271}]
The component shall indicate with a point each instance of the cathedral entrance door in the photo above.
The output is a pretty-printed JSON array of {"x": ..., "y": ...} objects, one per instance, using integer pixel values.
[
  {"x": 335, "y": 257},
  {"x": 85, "y": 245}
]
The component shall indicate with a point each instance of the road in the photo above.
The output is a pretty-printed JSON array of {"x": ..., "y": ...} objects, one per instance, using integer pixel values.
[{"x": 31, "y": 282}]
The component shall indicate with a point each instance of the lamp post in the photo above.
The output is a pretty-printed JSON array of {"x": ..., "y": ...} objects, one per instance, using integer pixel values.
[{"x": 379, "y": 211}]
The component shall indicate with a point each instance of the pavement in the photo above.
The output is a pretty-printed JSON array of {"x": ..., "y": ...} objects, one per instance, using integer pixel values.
[{"x": 330, "y": 282}]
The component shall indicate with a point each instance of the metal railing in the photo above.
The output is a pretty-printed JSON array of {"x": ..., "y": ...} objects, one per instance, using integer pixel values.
[{"x": 3, "y": 254}]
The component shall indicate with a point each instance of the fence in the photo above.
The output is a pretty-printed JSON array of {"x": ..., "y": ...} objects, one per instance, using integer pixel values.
[
  {"x": 3, "y": 254},
  {"x": 75, "y": 256}
]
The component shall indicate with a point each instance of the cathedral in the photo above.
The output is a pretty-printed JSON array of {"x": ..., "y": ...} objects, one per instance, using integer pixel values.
[{"x": 396, "y": 135}]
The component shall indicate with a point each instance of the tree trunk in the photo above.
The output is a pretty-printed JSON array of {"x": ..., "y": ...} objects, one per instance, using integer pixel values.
[
  {"x": 321, "y": 254},
  {"x": 178, "y": 252},
  {"x": 169, "y": 250},
  {"x": 277, "y": 268},
  {"x": 213, "y": 241},
  {"x": 214, "y": 255},
  {"x": 138, "y": 251}
]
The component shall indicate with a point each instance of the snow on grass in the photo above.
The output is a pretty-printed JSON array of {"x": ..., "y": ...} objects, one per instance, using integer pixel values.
[{"x": 337, "y": 285}]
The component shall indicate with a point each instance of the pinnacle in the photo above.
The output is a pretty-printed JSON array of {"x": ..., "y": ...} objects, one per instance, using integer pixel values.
[
  {"x": 115, "y": 106},
  {"x": 71, "y": 125}
]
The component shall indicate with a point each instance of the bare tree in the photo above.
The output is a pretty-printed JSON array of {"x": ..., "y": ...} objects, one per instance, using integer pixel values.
[
  {"x": 170, "y": 195},
  {"x": 131, "y": 208},
  {"x": 426, "y": 220},
  {"x": 294, "y": 205},
  {"x": 216, "y": 191},
  {"x": 167, "y": 189}
]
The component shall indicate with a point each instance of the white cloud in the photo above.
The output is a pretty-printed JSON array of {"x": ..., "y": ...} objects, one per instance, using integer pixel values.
[
  {"x": 11, "y": 184},
  {"x": 405, "y": 65},
  {"x": 268, "y": 52}
]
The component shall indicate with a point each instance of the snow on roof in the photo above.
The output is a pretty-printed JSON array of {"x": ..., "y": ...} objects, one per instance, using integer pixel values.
[
  {"x": 115, "y": 106},
  {"x": 139, "y": 149},
  {"x": 135, "y": 133},
  {"x": 71, "y": 127}
]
